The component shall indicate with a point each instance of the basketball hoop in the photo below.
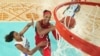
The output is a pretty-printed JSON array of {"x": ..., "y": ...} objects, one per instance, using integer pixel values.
[{"x": 76, "y": 41}]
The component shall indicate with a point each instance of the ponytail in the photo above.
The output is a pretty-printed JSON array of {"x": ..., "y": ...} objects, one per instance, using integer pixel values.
[{"x": 9, "y": 37}]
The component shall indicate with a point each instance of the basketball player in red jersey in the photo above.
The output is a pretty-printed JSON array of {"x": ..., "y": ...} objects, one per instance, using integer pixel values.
[{"x": 43, "y": 27}]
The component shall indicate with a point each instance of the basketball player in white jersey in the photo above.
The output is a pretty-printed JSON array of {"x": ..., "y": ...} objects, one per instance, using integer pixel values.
[
  {"x": 22, "y": 43},
  {"x": 70, "y": 12},
  {"x": 72, "y": 9}
]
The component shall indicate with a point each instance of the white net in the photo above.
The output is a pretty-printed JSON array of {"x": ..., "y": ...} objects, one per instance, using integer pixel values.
[{"x": 65, "y": 49}]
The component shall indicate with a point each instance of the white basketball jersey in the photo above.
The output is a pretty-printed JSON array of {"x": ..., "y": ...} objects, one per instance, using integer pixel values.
[
  {"x": 71, "y": 10},
  {"x": 25, "y": 44}
]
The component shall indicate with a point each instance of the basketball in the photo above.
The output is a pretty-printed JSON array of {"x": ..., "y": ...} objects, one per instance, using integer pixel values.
[{"x": 70, "y": 22}]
